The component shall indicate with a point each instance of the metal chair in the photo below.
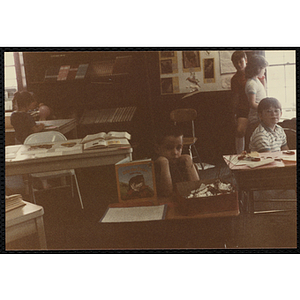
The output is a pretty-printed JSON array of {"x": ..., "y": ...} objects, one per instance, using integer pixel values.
[
  {"x": 49, "y": 137},
  {"x": 186, "y": 116}
]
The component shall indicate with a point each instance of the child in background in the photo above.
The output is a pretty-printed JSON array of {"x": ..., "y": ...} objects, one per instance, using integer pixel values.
[
  {"x": 268, "y": 136},
  {"x": 255, "y": 89},
  {"x": 238, "y": 82},
  {"x": 171, "y": 166},
  {"x": 21, "y": 120}
]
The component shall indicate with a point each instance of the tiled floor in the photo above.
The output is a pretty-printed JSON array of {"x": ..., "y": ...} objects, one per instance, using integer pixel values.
[{"x": 68, "y": 227}]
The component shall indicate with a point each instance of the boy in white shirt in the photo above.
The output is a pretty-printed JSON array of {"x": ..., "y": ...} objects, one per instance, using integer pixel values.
[{"x": 268, "y": 136}]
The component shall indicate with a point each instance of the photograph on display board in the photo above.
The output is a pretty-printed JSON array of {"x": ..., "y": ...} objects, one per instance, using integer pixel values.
[
  {"x": 169, "y": 85},
  {"x": 191, "y": 60},
  {"x": 165, "y": 54},
  {"x": 166, "y": 66},
  {"x": 226, "y": 65},
  {"x": 209, "y": 70},
  {"x": 166, "y": 85}
]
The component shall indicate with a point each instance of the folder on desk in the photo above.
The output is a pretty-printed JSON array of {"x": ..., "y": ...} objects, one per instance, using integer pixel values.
[{"x": 134, "y": 214}]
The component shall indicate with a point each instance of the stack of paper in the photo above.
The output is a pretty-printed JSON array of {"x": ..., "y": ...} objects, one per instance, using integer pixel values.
[{"x": 13, "y": 201}]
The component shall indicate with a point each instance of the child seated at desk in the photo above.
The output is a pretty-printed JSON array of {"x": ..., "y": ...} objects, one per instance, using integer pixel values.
[
  {"x": 21, "y": 120},
  {"x": 268, "y": 136},
  {"x": 171, "y": 166}
]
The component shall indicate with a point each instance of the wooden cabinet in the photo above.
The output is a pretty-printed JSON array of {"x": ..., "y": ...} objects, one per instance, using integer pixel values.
[{"x": 113, "y": 79}]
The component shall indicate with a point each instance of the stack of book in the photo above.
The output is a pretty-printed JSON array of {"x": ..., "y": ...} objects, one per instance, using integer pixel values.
[
  {"x": 13, "y": 201},
  {"x": 66, "y": 72}
]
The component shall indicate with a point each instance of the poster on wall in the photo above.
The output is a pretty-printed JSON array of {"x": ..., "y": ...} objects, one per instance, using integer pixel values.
[
  {"x": 226, "y": 65},
  {"x": 184, "y": 72},
  {"x": 168, "y": 62},
  {"x": 169, "y": 85},
  {"x": 209, "y": 70},
  {"x": 191, "y": 61}
]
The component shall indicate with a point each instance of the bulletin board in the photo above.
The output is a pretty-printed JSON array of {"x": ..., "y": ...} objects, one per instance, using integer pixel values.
[{"x": 193, "y": 71}]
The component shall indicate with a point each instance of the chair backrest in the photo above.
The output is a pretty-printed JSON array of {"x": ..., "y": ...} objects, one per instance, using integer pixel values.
[
  {"x": 184, "y": 115},
  {"x": 291, "y": 136},
  {"x": 44, "y": 137}
]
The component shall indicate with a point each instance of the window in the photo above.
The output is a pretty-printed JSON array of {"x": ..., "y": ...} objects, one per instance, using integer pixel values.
[
  {"x": 281, "y": 79},
  {"x": 14, "y": 74}
]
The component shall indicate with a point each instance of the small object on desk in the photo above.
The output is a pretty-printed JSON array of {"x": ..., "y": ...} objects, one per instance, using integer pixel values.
[
  {"x": 289, "y": 152},
  {"x": 45, "y": 146},
  {"x": 255, "y": 159},
  {"x": 68, "y": 144}
]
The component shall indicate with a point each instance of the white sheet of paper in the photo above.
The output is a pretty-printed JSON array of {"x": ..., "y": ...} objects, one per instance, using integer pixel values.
[
  {"x": 133, "y": 214},
  {"x": 254, "y": 164},
  {"x": 289, "y": 158}
]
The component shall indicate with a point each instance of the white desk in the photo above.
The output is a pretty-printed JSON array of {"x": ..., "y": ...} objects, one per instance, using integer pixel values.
[
  {"x": 24, "y": 221},
  {"x": 62, "y": 125},
  {"x": 18, "y": 163}
]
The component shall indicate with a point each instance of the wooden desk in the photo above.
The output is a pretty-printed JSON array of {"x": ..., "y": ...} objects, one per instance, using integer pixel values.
[
  {"x": 24, "y": 221},
  {"x": 65, "y": 126},
  {"x": 176, "y": 231},
  {"x": 273, "y": 176},
  {"x": 17, "y": 163}
]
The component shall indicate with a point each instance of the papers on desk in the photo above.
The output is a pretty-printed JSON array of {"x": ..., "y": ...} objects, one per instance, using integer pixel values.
[
  {"x": 54, "y": 149},
  {"x": 289, "y": 158},
  {"x": 134, "y": 214},
  {"x": 252, "y": 164},
  {"x": 11, "y": 152}
]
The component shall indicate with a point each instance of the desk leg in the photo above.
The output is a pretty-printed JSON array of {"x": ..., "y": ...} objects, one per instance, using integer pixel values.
[
  {"x": 244, "y": 201},
  {"x": 41, "y": 232},
  {"x": 31, "y": 191},
  {"x": 251, "y": 201}
]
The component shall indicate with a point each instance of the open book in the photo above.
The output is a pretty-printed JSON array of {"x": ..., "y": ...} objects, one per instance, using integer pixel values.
[
  {"x": 106, "y": 136},
  {"x": 101, "y": 143}
]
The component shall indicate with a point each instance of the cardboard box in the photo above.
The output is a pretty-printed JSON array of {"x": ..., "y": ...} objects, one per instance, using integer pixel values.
[{"x": 203, "y": 205}]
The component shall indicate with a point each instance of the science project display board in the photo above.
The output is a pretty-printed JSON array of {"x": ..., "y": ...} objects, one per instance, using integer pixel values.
[{"x": 192, "y": 71}]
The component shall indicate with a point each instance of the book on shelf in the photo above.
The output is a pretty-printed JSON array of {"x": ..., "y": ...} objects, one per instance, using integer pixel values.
[
  {"x": 136, "y": 181},
  {"x": 109, "y": 115},
  {"x": 13, "y": 202},
  {"x": 52, "y": 73},
  {"x": 106, "y": 136},
  {"x": 72, "y": 72},
  {"x": 81, "y": 72},
  {"x": 101, "y": 143},
  {"x": 63, "y": 73}
]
